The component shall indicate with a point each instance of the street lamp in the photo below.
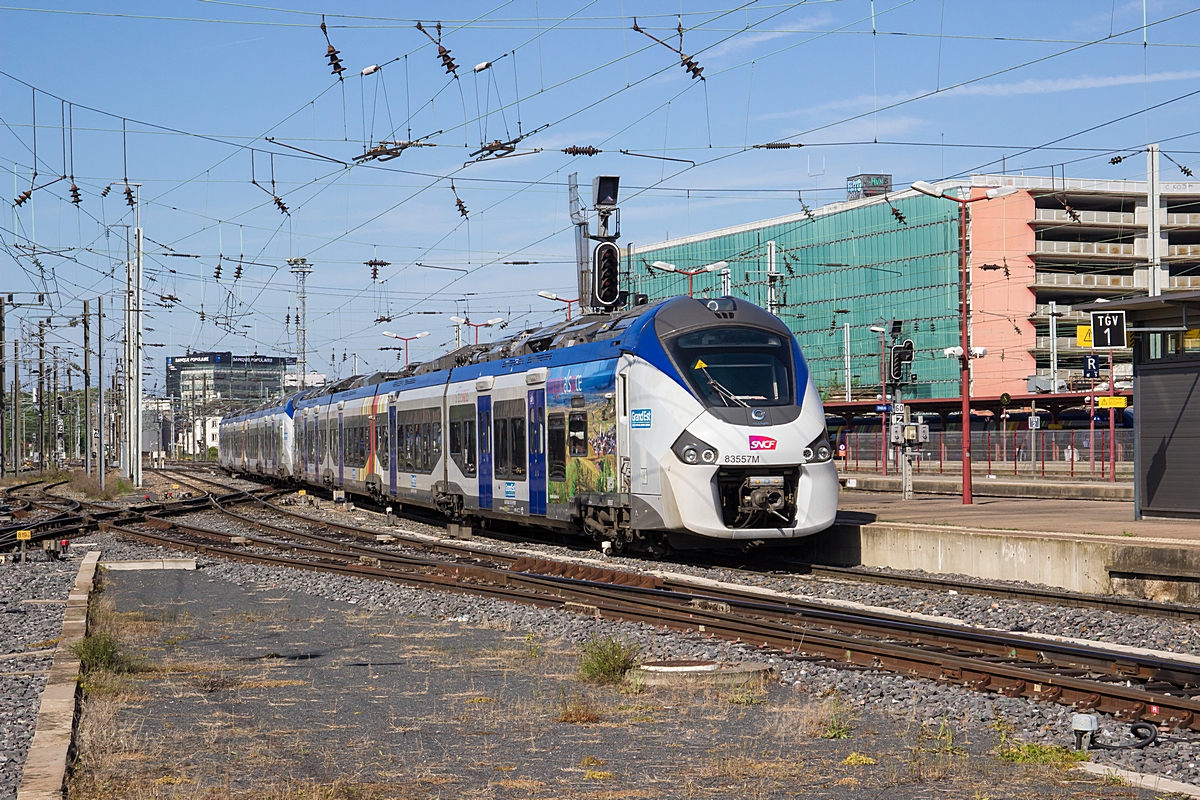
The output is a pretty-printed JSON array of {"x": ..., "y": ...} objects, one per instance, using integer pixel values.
[
  {"x": 553, "y": 296},
  {"x": 665, "y": 267},
  {"x": 476, "y": 325},
  {"x": 406, "y": 340},
  {"x": 964, "y": 351}
]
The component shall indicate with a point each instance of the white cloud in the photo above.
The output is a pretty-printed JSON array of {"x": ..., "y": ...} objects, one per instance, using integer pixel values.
[
  {"x": 1032, "y": 86},
  {"x": 1083, "y": 82}
]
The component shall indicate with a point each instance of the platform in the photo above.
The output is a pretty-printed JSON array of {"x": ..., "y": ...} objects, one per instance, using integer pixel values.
[
  {"x": 1090, "y": 546},
  {"x": 1049, "y": 487}
]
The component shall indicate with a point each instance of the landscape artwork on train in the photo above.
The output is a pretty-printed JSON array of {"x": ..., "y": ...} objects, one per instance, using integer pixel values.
[{"x": 581, "y": 430}]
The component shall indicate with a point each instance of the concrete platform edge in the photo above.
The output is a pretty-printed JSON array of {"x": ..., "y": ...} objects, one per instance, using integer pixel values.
[
  {"x": 45, "y": 769},
  {"x": 1141, "y": 780},
  {"x": 985, "y": 487}
]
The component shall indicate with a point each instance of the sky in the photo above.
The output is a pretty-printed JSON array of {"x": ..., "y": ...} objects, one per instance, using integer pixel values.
[{"x": 220, "y": 115}]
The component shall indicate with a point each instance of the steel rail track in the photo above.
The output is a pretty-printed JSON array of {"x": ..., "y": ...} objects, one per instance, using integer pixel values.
[
  {"x": 1045, "y": 596},
  {"x": 1030, "y": 668}
]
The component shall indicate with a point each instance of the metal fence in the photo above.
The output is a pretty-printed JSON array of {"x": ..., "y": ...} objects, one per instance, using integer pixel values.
[{"x": 1057, "y": 453}]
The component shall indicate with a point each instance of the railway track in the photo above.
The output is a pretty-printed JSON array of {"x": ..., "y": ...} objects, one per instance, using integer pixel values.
[
  {"x": 1132, "y": 685},
  {"x": 1004, "y": 591}
]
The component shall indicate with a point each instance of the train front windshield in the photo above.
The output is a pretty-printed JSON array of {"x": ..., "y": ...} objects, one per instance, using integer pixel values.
[{"x": 735, "y": 366}]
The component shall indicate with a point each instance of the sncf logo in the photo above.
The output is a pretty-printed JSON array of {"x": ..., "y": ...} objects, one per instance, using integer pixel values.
[{"x": 762, "y": 443}]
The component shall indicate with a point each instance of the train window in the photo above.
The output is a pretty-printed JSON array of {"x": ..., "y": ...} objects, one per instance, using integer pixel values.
[
  {"x": 517, "y": 446},
  {"x": 577, "y": 435},
  {"x": 462, "y": 437},
  {"x": 556, "y": 447},
  {"x": 382, "y": 447},
  {"x": 500, "y": 465},
  {"x": 736, "y": 366},
  {"x": 435, "y": 441}
]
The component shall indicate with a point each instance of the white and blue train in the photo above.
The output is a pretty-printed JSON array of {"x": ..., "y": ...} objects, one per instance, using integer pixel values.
[{"x": 690, "y": 423}]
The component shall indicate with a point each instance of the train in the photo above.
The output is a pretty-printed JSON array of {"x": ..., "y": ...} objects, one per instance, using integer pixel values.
[{"x": 690, "y": 423}]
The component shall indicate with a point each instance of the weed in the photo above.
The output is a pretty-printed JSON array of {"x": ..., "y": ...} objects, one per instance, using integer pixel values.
[
  {"x": 607, "y": 660},
  {"x": 597, "y": 775},
  {"x": 745, "y": 696},
  {"x": 532, "y": 648},
  {"x": 1113, "y": 779},
  {"x": 839, "y": 728},
  {"x": 576, "y": 709},
  {"x": 940, "y": 743},
  {"x": 635, "y": 684},
  {"x": 100, "y": 651},
  {"x": 477, "y": 700},
  {"x": 592, "y": 761},
  {"x": 858, "y": 760},
  {"x": 1051, "y": 755}
]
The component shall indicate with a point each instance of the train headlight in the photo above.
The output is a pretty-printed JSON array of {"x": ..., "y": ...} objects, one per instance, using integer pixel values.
[
  {"x": 818, "y": 450},
  {"x": 690, "y": 450}
]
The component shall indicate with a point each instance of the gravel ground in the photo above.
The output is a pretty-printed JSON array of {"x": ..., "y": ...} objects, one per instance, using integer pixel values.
[
  {"x": 23, "y": 627},
  {"x": 1008, "y": 615},
  {"x": 900, "y": 698}
]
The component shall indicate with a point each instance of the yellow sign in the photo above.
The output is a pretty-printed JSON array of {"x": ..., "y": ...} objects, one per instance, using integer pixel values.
[
  {"x": 302, "y": 492},
  {"x": 24, "y": 535},
  {"x": 1112, "y": 402},
  {"x": 1083, "y": 335},
  {"x": 174, "y": 485},
  {"x": 699, "y": 364}
]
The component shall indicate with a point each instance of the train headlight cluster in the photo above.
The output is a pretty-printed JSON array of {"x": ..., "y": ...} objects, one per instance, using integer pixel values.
[
  {"x": 691, "y": 450},
  {"x": 818, "y": 450}
]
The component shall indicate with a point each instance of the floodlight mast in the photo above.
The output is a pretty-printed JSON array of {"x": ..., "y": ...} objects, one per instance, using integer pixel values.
[
  {"x": 665, "y": 267},
  {"x": 964, "y": 352},
  {"x": 406, "y": 340}
]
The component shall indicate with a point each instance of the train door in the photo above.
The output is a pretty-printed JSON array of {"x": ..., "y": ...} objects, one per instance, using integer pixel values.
[
  {"x": 485, "y": 450},
  {"x": 341, "y": 450},
  {"x": 391, "y": 445},
  {"x": 624, "y": 461},
  {"x": 537, "y": 451}
]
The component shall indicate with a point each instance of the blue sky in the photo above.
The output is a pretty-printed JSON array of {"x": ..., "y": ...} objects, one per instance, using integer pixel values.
[{"x": 215, "y": 96}]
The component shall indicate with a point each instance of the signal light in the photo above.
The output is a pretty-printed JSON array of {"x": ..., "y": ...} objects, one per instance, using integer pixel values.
[
  {"x": 606, "y": 275},
  {"x": 901, "y": 354}
]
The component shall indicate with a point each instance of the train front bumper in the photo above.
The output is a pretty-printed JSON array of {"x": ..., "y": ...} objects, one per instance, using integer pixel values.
[{"x": 690, "y": 498}]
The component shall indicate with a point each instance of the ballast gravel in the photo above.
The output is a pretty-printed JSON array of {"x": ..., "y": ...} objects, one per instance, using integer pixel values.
[
  {"x": 27, "y": 627},
  {"x": 902, "y": 698}
]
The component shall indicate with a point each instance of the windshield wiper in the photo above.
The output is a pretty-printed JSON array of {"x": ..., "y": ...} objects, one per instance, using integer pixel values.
[{"x": 724, "y": 393}]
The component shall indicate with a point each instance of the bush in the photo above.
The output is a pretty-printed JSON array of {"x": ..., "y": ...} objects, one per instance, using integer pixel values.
[
  {"x": 607, "y": 660},
  {"x": 100, "y": 652}
]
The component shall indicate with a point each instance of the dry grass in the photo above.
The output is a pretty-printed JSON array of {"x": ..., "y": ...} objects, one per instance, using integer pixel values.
[
  {"x": 576, "y": 709},
  {"x": 828, "y": 718},
  {"x": 744, "y": 763},
  {"x": 89, "y": 486}
]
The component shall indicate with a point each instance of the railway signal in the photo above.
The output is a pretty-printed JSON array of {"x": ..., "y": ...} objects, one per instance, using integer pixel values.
[
  {"x": 606, "y": 275},
  {"x": 902, "y": 354}
]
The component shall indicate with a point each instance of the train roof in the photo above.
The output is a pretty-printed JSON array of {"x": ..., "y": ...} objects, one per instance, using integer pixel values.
[{"x": 545, "y": 343}]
